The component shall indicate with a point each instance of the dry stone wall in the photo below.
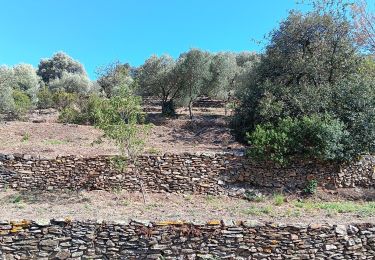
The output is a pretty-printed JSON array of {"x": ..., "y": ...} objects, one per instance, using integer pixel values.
[
  {"x": 227, "y": 239},
  {"x": 186, "y": 173}
]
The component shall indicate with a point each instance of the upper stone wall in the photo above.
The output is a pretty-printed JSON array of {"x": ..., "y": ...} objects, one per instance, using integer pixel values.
[{"x": 187, "y": 173}]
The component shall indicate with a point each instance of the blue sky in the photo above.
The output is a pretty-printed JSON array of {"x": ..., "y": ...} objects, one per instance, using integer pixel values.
[{"x": 96, "y": 32}]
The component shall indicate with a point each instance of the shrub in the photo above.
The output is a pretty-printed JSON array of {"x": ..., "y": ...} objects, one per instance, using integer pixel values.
[
  {"x": 45, "y": 98},
  {"x": 354, "y": 105},
  {"x": 311, "y": 187},
  {"x": 22, "y": 103},
  {"x": 85, "y": 112},
  {"x": 314, "y": 137},
  {"x": 63, "y": 99},
  {"x": 69, "y": 115},
  {"x": 270, "y": 143}
]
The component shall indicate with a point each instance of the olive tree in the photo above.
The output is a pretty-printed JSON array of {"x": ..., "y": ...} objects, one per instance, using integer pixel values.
[
  {"x": 244, "y": 59},
  {"x": 60, "y": 63},
  {"x": 247, "y": 64},
  {"x": 224, "y": 71},
  {"x": 194, "y": 70},
  {"x": 120, "y": 117},
  {"x": 113, "y": 76},
  {"x": 15, "y": 85},
  {"x": 6, "y": 89},
  {"x": 158, "y": 77},
  {"x": 26, "y": 80},
  {"x": 71, "y": 83}
]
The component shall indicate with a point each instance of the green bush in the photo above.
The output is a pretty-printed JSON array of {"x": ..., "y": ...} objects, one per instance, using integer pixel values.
[
  {"x": 314, "y": 137},
  {"x": 311, "y": 187},
  {"x": 89, "y": 108},
  {"x": 70, "y": 115},
  {"x": 354, "y": 105},
  {"x": 269, "y": 143},
  {"x": 45, "y": 98},
  {"x": 22, "y": 103},
  {"x": 84, "y": 111},
  {"x": 63, "y": 99}
]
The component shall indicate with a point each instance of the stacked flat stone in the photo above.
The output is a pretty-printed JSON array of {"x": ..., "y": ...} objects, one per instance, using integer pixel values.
[
  {"x": 142, "y": 239},
  {"x": 185, "y": 173}
]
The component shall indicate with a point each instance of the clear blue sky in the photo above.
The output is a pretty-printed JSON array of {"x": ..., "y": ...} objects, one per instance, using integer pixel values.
[{"x": 96, "y": 32}]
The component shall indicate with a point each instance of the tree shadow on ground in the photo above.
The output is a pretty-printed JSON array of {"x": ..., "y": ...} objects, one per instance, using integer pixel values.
[{"x": 36, "y": 197}]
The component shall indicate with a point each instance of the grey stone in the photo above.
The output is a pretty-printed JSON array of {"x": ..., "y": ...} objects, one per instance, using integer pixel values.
[{"x": 61, "y": 255}]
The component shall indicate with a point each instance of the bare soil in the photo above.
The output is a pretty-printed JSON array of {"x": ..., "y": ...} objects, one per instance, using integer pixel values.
[
  {"x": 42, "y": 136},
  {"x": 117, "y": 206}
]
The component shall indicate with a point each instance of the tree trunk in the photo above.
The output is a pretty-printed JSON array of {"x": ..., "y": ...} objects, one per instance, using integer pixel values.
[
  {"x": 190, "y": 109},
  {"x": 140, "y": 181},
  {"x": 168, "y": 108},
  {"x": 225, "y": 107}
]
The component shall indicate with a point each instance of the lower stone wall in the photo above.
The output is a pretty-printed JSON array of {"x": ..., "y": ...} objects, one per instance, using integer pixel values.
[
  {"x": 186, "y": 173},
  {"x": 64, "y": 239}
]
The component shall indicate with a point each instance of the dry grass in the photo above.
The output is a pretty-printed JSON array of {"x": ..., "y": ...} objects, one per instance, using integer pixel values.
[
  {"x": 123, "y": 205},
  {"x": 208, "y": 132}
]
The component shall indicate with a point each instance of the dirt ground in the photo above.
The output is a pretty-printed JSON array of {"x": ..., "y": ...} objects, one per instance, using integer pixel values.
[
  {"x": 119, "y": 206},
  {"x": 42, "y": 136}
]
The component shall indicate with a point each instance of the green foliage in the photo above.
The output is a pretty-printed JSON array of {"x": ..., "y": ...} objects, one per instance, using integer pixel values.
[
  {"x": 267, "y": 142},
  {"x": 338, "y": 207},
  {"x": 158, "y": 76},
  {"x": 223, "y": 69},
  {"x": 6, "y": 90},
  {"x": 278, "y": 199},
  {"x": 22, "y": 103},
  {"x": 354, "y": 104},
  {"x": 114, "y": 76},
  {"x": 193, "y": 68},
  {"x": 195, "y": 73},
  {"x": 26, "y": 80},
  {"x": 45, "y": 98},
  {"x": 259, "y": 211},
  {"x": 60, "y": 63},
  {"x": 25, "y": 137},
  {"x": 119, "y": 118},
  {"x": 70, "y": 115},
  {"x": 310, "y": 49},
  {"x": 309, "y": 137},
  {"x": 62, "y": 99},
  {"x": 311, "y": 67},
  {"x": 307, "y": 55},
  {"x": 70, "y": 83},
  {"x": 254, "y": 196},
  {"x": 84, "y": 112},
  {"x": 55, "y": 142},
  {"x": 311, "y": 187}
]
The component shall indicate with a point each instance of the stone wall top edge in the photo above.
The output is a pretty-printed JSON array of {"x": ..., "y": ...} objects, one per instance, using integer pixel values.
[
  {"x": 11, "y": 156},
  {"x": 215, "y": 222}
]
